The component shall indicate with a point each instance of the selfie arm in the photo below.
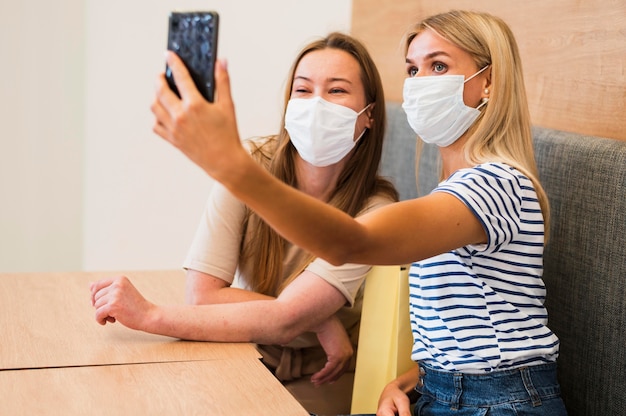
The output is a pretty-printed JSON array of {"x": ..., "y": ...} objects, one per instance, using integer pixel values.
[{"x": 396, "y": 234}]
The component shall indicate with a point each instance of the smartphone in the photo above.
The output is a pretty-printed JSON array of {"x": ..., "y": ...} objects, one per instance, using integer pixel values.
[{"x": 193, "y": 36}]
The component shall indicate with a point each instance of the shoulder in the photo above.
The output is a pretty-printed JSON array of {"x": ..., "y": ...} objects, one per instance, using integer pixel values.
[
  {"x": 493, "y": 191},
  {"x": 488, "y": 178},
  {"x": 261, "y": 147},
  {"x": 376, "y": 201},
  {"x": 495, "y": 170}
]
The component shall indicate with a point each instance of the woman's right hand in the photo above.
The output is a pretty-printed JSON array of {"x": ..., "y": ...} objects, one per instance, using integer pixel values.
[
  {"x": 205, "y": 132},
  {"x": 394, "y": 399},
  {"x": 118, "y": 300}
]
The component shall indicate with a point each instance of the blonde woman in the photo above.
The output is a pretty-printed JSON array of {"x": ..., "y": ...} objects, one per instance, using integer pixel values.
[{"x": 245, "y": 281}]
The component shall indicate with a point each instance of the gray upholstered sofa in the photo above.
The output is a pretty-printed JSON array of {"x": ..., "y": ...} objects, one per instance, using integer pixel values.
[{"x": 585, "y": 259}]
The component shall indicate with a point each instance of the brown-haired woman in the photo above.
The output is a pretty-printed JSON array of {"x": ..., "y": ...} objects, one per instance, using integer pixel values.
[{"x": 244, "y": 280}]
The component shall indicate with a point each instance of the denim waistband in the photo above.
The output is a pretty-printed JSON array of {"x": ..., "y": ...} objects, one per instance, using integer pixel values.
[{"x": 532, "y": 383}]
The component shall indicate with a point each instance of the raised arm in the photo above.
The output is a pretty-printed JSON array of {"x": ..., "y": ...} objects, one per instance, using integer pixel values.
[{"x": 401, "y": 233}]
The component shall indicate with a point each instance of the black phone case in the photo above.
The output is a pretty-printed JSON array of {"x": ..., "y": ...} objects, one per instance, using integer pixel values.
[{"x": 193, "y": 36}]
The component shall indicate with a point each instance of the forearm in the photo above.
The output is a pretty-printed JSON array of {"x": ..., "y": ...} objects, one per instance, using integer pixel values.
[
  {"x": 323, "y": 230},
  {"x": 301, "y": 307},
  {"x": 398, "y": 233},
  {"x": 406, "y": 382},
  {"x": 305, "y": 305},
  {"x": 256, "y": 321},
  {"x": 394, "y": 234}
]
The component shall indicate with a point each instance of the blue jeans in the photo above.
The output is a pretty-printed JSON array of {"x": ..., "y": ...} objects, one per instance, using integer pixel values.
[
  {"x": 527, "y": 391},
  {"x": 523, "y": 391}
]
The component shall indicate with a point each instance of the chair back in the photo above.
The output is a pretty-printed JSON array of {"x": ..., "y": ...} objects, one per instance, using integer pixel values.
[{"x": 385, "y": 338}]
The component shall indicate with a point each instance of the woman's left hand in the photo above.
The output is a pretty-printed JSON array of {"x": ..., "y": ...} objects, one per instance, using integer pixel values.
[{"x": 339, "y": 351}]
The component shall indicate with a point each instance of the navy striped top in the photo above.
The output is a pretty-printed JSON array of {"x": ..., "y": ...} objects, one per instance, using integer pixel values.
[{"x": 480, "y": 308}]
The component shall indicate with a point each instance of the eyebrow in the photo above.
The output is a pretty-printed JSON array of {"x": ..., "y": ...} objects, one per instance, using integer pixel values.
[
  {"x": 332, "y": 79},
  {"x": 430, "y": 56}
]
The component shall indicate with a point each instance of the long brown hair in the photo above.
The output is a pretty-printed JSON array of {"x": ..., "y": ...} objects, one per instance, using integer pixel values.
[
  {"x": 502, "y": 132},
  {"x": 264, "y": 248}
]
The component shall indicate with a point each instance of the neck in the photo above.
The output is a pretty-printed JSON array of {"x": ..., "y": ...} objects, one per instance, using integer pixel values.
[
  {"x": 318, "y": 182},
  {"x": 453, "y": 157}
]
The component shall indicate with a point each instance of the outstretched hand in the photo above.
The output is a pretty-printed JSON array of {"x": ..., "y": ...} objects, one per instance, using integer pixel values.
[{"x": 205, "y": 132}]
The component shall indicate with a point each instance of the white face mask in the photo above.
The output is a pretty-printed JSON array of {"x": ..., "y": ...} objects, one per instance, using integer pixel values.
[
  {"x": 435, "y": 109},
  {"x": 321, "y": 131}
]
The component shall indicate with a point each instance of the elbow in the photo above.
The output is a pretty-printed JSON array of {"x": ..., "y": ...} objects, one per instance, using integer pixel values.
[
  {"x": 195, "y": 299},
  {"x": 287, "y": 332},
  {"x": 285, "y": 338},
  {"x": 336, "y": 260},
  {"x": 336, "y": 254},
  {"x": 349, "y": 249},
  {"x": 339, "y": 255},
  {"x": 277, "y": 337}
]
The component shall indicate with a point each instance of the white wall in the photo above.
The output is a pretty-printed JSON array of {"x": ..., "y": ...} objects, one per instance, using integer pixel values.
[
  {"x": 84, "y": 183},
  {"x": 41, "y": 135}
]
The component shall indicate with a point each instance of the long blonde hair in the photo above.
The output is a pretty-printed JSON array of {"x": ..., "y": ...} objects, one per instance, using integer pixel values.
[
  {"x": 265, "y": 248},
  {"x": 502, "y": 133}
]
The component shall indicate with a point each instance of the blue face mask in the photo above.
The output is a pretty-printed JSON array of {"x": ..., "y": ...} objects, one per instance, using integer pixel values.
[{"x": 435, "y": 109}]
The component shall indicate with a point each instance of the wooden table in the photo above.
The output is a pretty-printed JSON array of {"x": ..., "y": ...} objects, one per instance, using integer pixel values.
[
  {"x": 56, "y": 359},
  {"x": 47, "y": 320},
  {"x": 218, "y": 387}
]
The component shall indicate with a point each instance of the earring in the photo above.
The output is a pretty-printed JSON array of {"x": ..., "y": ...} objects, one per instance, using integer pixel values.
[{"x": 486, "y": 90}]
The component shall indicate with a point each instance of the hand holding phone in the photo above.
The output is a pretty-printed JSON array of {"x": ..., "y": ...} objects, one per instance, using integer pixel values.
[{"x": 193, "y": 36}]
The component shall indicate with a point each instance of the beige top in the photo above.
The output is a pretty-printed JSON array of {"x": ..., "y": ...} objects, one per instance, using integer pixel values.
[{"x": 217, "y": 243}]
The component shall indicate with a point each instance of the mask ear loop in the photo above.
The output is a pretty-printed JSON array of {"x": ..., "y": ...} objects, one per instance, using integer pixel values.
[
  {"x": 361, "y": 112},
  {"x": 365, "y": 129},
  {"x": 484, "y": 100},
  {"x": 485, "y": 67}
]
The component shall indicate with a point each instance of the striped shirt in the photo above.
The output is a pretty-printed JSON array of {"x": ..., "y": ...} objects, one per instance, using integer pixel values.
[{"x": 480, "y": 308}]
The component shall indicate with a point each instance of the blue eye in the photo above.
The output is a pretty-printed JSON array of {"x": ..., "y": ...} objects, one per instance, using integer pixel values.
[
  {"x": 439, "y": 67},
  {"x": 412, "y": 71}
]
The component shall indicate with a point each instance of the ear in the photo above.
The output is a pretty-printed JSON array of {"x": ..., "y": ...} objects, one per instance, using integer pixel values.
[
  {"x": 486, "y": 84},
  {"x": 369, "y": 121}
]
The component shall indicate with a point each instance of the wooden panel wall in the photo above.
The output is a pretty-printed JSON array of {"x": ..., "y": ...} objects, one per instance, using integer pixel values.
[{"x": 573, "y": 52}]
